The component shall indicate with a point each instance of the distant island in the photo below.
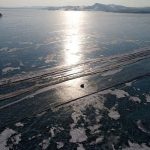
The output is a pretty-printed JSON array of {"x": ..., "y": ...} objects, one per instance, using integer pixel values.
[
  {"x": 1, "y": 15},
  {"x": 103, "y": 7}
]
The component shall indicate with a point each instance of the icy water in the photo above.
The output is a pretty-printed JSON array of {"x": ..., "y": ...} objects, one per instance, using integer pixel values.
[
  {"x": 45, "y": 57},
  {"x": 35, "y": 39}
]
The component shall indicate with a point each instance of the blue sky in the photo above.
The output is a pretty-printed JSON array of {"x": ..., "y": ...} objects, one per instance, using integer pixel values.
[{"x": 16, "y": 3}]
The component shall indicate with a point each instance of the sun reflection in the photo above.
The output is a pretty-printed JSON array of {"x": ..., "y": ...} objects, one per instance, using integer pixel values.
[
  {"x": 73, "y": 41},
  {"x": 73, "y": 55}
]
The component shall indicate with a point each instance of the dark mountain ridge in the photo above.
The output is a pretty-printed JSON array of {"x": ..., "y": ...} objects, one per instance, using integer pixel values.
[{"x": 105, "y": 8}]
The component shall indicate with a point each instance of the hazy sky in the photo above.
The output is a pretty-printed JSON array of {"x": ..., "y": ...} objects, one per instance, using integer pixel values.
[{"x": 14, "y": 3}]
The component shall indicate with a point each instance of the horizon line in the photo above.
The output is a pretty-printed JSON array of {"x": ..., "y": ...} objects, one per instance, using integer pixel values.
[{"x": 34, "y": 6}]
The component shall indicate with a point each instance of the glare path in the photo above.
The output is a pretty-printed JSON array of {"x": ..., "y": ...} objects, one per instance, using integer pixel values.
[{"x": 61, "y": 75}]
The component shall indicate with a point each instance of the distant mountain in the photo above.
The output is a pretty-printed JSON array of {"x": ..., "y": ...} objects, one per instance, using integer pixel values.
[
  {"x": 105, "y": 8},
  {"x": 1, "y": 15}
]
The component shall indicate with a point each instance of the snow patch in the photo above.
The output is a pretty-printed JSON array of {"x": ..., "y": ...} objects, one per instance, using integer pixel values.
[
  {"x": 41, "y": 114},
  {"x": 94, "y": 128},
  {"x": 12, "y": 50},
  {"x": 25, "y": 43},
  {"x": 3, "y": 49},
  {"x": 148, "y": 98},
  {"x": 60, "y": 145},
  {"x": 135, "y": 146},
  {"x": 129, "y": 84},
  {"x": 21, "y": 64},
  {"x": 19, "y": 124},
  {"x": 40, "y": 58},
  {"x": 114, "y": 114},
  {"x": 52, "y": 131},
  {"x": 9, "y": 69},
  {"x": 78, "y": 135},
  {"x": 118, "y": 93},
  {"x": 4, "y": 136},
  {"x": 135, "y": 99},
  {"x": 80, "y": 147},
  {"x": 141, "y": 127},
  {"x": 97, "y": 101},
  {"x": 16, "y": 139},
  {"x": 112, "y": 72},
  {"x": 99, "y": 140},
  {"x": 49, "y": 59},
  {"x": 45, "y": 143}
]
